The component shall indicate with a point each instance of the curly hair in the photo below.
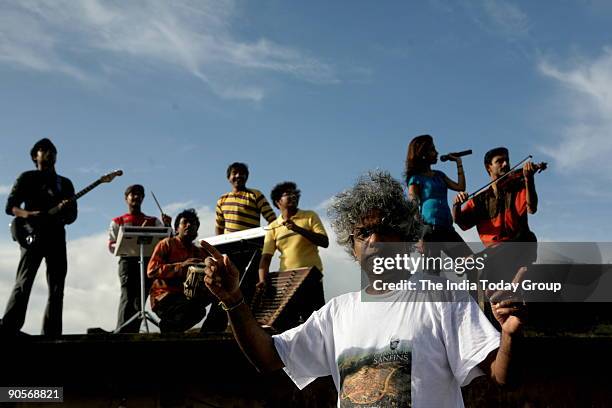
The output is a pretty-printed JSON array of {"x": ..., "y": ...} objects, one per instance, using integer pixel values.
[
  {"x": 280, "y": 188},
  {"x": 189, "y": 214},
  {"x": 374, "y": 191}
]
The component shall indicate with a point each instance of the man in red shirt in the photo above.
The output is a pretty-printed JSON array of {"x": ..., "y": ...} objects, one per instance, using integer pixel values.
[
  {"x": 500, "y": 214},
  {"x": 129, "y": 268}
]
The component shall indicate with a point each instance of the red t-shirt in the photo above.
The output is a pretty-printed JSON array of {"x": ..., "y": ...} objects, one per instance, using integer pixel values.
[{"x": 497, "y": 219}]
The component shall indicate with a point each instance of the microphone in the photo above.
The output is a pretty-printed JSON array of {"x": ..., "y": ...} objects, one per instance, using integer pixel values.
[{"x": 445, "y": 157}]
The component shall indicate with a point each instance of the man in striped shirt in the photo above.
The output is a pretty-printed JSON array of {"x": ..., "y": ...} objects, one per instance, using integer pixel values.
[{"x": 240, "y": 209}]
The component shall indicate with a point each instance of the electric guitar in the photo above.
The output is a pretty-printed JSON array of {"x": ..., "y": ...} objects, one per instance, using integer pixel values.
[{"x": 24, "y": 231}]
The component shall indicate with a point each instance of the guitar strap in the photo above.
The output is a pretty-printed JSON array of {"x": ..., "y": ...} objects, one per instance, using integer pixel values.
[{"x": 59, "y": 183}]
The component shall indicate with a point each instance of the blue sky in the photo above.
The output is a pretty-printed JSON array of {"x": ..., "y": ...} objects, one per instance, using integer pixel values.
[{"x": 316, "y": 92}]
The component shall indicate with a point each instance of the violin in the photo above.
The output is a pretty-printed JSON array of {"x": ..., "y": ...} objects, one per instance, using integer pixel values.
[{"x": 514, "y": 175}]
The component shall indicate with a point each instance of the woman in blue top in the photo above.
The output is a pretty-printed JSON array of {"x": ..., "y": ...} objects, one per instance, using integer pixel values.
[{"x": 429, "y": 189}]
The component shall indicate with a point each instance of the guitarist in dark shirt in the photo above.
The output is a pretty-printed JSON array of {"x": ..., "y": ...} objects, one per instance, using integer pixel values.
[{"x": 41, "y": 234}]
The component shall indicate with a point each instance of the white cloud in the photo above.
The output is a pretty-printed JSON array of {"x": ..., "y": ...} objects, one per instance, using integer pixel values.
[
  {"x": 505, "y": 17},
  {"x": 341, "y": 273},
  {"x": 4, "y": 189},
  {"x": 442, "y": 5},
  {"x": 250, "y": 93},
  {"x": 324, "y": 205},
  {"x": 91, "y": 295},
  {"x": 207, "y": 221},
  {"x": 193, "y": 36},
  {"x": 176, "y": 207},
  {"x": 587, "y": 115},
  {"x": 24, "y": 42},
  {"x": 495, "y": 16}
]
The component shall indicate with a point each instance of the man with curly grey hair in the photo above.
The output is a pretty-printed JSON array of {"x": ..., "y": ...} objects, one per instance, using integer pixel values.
[
  {"x": 379, "y": 192},
  {"x": 382, "y": 347}
]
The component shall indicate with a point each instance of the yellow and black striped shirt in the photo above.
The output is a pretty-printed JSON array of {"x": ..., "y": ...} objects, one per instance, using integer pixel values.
[{"x": 241, "y": 210}]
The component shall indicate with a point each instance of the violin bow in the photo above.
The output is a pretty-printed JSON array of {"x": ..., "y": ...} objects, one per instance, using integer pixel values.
[
  {"x": 481, "y": 189},
  {"x": 157, "y": 202}
]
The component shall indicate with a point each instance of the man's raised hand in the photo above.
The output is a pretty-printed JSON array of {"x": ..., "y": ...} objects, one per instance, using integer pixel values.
[
  {"x": 460, "y": 198},
  {"x": 221, "y": 276},
  {"x": 510, "y": 314}
]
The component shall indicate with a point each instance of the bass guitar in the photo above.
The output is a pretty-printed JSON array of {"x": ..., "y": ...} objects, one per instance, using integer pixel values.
[{"x": 24, "y": 231}]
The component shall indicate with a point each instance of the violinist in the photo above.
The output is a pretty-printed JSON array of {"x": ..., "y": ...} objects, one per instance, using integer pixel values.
[{"x": 499, "y": 213}]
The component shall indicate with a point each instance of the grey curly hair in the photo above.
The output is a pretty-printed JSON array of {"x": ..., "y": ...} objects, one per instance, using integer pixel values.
[{"x": 376, "y": 190}]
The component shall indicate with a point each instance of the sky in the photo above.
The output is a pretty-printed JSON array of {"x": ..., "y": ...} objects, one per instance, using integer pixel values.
[{"x": 314, "y": 92}]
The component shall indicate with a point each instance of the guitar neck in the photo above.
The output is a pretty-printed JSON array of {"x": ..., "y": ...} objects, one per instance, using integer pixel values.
[
  {"x": 78, "y": 195},
  {"x": 86, "y": 190}
]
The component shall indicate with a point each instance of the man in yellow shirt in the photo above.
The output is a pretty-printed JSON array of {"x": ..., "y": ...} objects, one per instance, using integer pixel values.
[{"x": 296, "y": 234}]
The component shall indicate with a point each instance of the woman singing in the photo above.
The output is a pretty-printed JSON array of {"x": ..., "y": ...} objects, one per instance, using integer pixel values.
[{"x": 428, "y": 188}]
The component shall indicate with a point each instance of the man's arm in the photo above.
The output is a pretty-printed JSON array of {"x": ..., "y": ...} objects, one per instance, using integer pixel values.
[
  {"x": 68, "y": 207},
  {"x": 264, "y": 208},
  {"x": 502, "y": 365},
  {"x": 113, "y": 231},
  {"x": 255, "y": 342},
  {"x": 456, "y": 210},
  {"x": 315, "y": 232},
  {"x": 463, "y": 212},
  {"x": 316, "y": 238},
  {"x": 219, "y": 219},
  {"x": 222, "y": 279},
  {"x": 264, "y": 267},
  {"x": 166, "y": 221},
  {"x": 267, "y": 252},
  {"x": 15, "y": 200},
  {"x": 20, "y": 212},
  {"x": 532, "y": 195}
]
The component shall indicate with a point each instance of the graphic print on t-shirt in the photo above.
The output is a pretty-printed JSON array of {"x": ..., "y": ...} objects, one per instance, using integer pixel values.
[{"x": 376, "y": 377}]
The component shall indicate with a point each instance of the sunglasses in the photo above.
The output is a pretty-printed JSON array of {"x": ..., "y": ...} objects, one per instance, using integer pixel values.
[{"x": 363, "y": 233}]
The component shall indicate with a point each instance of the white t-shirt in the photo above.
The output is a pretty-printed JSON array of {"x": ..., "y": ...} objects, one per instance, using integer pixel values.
[{"x": 391, "y": 352}]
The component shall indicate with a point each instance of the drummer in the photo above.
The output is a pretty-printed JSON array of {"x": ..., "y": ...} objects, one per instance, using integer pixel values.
[{"x": 168, "y": 266}]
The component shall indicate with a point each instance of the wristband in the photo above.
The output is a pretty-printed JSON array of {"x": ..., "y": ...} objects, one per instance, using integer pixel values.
[{"x": 230, "y": 308}]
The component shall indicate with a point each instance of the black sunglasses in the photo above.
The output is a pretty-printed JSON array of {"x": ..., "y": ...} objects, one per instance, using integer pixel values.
[{"x": 363, "y": 233}]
